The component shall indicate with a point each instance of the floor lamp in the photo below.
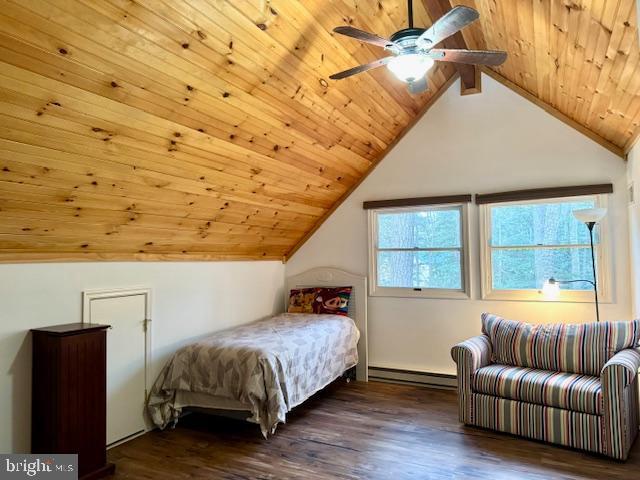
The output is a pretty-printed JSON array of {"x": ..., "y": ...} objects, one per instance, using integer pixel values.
[{"x": 590, "y": 217}]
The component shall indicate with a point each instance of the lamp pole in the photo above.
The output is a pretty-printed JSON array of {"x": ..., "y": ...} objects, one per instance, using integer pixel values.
[
  {"x": 590, "y": 226},
  {"x": 552, "y": 285},
  {"x": 591, "y": 216}
]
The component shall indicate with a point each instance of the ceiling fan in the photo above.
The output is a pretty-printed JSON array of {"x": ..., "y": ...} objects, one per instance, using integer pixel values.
[{"x": 413, "y": 52}]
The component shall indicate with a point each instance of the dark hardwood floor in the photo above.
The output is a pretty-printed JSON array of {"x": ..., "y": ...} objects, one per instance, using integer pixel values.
[{"x": 358, "y": 431}]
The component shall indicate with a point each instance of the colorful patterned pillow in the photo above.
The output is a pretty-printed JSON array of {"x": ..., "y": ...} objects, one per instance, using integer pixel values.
[
  {"x": 320, "y": 300},
  {"x": 581, "y": 348},
  {"x": 302, "y": 300},
  {"x": 333, "y": 300}
]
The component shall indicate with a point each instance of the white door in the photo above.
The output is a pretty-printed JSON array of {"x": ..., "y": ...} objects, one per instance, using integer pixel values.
[{"x": 126, "y": 342}]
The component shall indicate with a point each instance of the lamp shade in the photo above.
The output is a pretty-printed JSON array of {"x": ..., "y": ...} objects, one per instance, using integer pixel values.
[
  {"x": 410, "y": 67},
  {"x": 590, "y": 215}
]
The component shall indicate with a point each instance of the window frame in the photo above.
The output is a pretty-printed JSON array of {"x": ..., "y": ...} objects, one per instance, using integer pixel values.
[
  {"x": 406, "y": 292},
  {"x": 602, "y": 252}
]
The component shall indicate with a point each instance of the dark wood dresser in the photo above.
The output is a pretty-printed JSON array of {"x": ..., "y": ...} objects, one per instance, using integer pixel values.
[{"x": 69, "y": 407}]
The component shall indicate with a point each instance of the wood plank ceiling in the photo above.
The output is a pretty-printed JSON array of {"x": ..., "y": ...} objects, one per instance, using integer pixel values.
[
  {"x": 195, "y": 129},
  {"x": 580, "y": 57},
  {"x": 208, "y": 129}
]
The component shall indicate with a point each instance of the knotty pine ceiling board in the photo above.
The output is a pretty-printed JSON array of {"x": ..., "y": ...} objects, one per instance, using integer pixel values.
[
  {"x": 209, "y": 129},
  {"x": 580, "y": 57},
  {"x": 195, "y": 129}
]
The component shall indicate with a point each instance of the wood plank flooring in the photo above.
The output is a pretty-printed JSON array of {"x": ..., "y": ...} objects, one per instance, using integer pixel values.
[{"x": 357, "y": 431}]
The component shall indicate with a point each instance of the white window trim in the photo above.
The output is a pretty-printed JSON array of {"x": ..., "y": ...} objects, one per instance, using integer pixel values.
[
  {"x": 603, "y": 259},
  {"x": 442, "y": 293}
]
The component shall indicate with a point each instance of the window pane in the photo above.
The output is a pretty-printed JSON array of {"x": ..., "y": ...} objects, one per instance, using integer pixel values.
[
  {"x": 420, "y": 269},
  {"x": 528, "y": 268},
  {"x": 422, "y": 229},
  {"x": 539, "y": 224}
]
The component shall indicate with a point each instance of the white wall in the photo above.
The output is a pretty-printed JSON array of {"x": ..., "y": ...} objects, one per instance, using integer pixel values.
[
  {"x": 189, "y": 300},
  {"x": 492, "y": 142},
  {"x": 633, "y": 177}
]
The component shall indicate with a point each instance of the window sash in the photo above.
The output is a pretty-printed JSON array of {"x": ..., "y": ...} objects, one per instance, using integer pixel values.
[
  {"x": 601, "y": 251},
  {"x": 544, "y": 247},
  {"x": 401, "y": 210},
  {"x": 566, "y": 247},
  {"x": 374, "y": 250},
  {"x": 420, "y": 249}
]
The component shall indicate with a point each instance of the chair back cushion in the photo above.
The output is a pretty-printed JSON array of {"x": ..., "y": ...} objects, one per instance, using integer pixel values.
[{"x": 581, "y": 348}]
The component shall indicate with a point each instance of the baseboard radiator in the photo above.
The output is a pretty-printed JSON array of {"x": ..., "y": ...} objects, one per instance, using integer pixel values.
[{"x": 427, "y": 379}]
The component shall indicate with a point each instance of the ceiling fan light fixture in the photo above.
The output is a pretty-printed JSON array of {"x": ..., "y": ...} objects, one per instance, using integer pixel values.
[{"x": 410, "y": 67}]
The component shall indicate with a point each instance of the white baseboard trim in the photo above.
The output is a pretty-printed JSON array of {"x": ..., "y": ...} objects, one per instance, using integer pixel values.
[
  {"x": 426, "y": 379},
  {"x": 126, "y": 439}
]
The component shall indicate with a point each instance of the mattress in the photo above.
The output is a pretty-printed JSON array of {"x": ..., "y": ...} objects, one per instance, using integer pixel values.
[{"x": 266, "y": 367}]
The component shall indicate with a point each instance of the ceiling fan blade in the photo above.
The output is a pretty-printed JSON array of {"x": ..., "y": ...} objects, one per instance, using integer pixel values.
[
  {"x": 451, "y": 22},
  {"x": 360, "y": 68},
  {"x": 474, "y": 57},
  {"x": 418, "y": 86},
  {"x": 364, "y": 36}
]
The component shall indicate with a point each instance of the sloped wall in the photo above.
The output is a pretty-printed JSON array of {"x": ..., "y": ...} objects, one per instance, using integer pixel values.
[{"x": 494, "y": 141}]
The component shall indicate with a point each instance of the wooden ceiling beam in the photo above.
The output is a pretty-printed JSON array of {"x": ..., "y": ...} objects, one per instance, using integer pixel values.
[{"x": 470, "y": 80}]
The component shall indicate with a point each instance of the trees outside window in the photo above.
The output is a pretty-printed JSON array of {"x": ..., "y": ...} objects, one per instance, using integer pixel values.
[
  {"x": 524, "y": 244},
  {"x": 418, "y": 251}
]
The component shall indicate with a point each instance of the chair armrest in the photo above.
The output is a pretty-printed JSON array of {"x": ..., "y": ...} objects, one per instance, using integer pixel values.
[
  {"x": 469, "y": 356},
  {"x": 620, "y": 402},
  {"x": 623, "y": 367},
  {"x": 475, "y": 352}
]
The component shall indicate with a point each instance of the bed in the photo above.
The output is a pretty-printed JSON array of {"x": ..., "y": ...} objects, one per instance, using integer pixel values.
[{"x": 264, "y": 369}]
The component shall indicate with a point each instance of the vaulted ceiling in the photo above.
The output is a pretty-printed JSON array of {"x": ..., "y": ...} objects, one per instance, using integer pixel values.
[
  {"x": 580, "y": 57},
  {"x": 209, "y": 129},
  {"x": 198, "y": 129}
]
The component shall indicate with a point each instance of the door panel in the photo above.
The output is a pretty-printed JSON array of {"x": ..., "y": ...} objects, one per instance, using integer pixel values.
[{"x": 125, "y": 362}]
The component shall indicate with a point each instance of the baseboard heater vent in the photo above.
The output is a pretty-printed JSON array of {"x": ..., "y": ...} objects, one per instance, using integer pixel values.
[{"x": 427, "y": 379}]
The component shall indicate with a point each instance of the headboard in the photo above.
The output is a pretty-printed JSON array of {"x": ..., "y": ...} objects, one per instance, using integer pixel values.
[{"x": 333, "y": 277}]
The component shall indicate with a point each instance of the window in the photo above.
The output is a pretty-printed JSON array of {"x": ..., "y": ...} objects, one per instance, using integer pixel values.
[
  {"x": 419, "y": 252},
  {"x": 525, "y": 243}
]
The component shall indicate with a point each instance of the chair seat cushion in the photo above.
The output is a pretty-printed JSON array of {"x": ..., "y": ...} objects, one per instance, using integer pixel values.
[{"x": 571, "y": 391}]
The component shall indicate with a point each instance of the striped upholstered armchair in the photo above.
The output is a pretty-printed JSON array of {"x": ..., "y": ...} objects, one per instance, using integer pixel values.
[{"x": 574, "y": 385}]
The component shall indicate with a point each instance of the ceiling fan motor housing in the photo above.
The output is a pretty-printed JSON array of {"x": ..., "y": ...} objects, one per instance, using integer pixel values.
[{"x": 406, "y": 38}]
